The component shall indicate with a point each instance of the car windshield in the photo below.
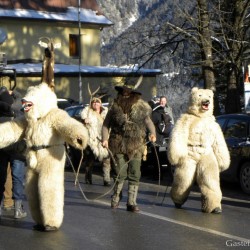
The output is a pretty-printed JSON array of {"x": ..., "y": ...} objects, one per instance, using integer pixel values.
[{"x": 236, "y": 129}]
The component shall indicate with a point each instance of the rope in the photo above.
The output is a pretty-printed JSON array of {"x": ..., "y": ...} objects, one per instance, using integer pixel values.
[{"x": 116, "y": 180}]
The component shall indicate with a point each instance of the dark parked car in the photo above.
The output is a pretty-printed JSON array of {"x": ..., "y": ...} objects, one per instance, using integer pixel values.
[
  {"x": 73, "y": 154},
  {"x": 75, "y": 111},
  {"x": 236, "y": 129},
  {"x": 63, "y": 103}
]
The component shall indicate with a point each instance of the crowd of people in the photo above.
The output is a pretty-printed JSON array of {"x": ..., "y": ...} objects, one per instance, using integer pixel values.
[{"x": 119, "y": 132}]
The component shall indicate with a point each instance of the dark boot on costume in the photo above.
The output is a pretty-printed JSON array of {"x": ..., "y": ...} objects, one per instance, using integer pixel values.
[
  {"x": 39, "y": 227},
  {"x": 88, "y": 175},
  {"x": 117, "y": 196},
  {"x": 132, "y": 195},
  {"x": 19, "y": 211}
]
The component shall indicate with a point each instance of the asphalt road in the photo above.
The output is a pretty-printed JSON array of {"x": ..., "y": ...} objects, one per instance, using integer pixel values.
[{"x": 90, "y": 223}]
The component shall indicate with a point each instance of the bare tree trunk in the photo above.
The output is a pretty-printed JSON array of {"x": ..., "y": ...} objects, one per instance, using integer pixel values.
[
  {"x": 234, "y": 79},
  {"x": 206, "y": 51},
  {"x": 206, "y": 45},
  {"x": 233, "y": 96}
]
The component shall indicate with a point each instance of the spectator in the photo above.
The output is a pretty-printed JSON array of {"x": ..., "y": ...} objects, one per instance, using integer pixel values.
[
  {"x": 155, "y": 100},
  {"x": 13, "y": 154},
  {"x": 8, "y": 203},
  {"x": 124, "y": 132},
  {"x": 93, "y": 117},
  {"x": 5, "y": 115},
  {"x": 168, "y": 110},
  {"x": 163, "y": 127}
]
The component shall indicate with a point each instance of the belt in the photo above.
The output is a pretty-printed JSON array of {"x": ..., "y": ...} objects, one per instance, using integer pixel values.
[{"x": 36, "y": 148}]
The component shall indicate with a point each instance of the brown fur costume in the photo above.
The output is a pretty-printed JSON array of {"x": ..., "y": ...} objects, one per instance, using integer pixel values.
[{"x": 128, "y": 114}]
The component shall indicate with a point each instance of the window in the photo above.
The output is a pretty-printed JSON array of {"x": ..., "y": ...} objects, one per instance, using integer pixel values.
[
  {"x": 74, "y": 45},
  {"x": 221, "y": 122},
  {"x": 236, "y": 129}
]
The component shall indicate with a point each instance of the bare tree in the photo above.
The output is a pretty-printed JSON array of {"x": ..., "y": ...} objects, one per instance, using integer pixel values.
[
  {"x": 205, "y": 43},
  {"x": 233, "y": 35},
  {"x": 210, "y": 35}
]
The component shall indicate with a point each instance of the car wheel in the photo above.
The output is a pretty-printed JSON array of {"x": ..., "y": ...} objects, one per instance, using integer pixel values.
[{"x": 245, "y": 177}]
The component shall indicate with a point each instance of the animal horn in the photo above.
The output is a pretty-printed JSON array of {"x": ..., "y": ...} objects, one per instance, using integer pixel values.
[{"x": 138, "y": 82}]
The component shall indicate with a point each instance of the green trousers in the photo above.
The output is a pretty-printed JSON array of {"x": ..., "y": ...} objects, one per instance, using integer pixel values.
[{"x": 130, "y": 171}]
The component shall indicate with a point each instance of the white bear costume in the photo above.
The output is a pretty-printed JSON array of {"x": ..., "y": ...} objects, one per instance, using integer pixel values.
[
  {"x": 45, "y": 129},
  {"x": 198, "y": 150}
]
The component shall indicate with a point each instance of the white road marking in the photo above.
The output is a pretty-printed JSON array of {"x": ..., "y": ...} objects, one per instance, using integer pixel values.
[{"x": 206, "y": 230}]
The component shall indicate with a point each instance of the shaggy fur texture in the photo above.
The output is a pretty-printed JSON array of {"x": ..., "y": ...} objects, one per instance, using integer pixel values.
[
  {"x": 198, "y": 150},
  {"x": 45, "y": 125},
  {"x": 95, "y": 131},
  {"x": 128, "y": 130}
]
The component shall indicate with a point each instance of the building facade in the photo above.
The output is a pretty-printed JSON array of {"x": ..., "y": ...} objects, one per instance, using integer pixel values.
[{"x": 75, "y": 32}]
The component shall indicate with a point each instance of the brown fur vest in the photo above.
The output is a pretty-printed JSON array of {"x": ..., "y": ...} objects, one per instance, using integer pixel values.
[{"x": 128, "y": 131}]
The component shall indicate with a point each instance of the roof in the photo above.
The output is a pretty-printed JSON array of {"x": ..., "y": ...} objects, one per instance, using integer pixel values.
[
  {"x": 35, "y": 69},
  {"x": 49, "y": 6},
  {"x": 55, "y": 10}
]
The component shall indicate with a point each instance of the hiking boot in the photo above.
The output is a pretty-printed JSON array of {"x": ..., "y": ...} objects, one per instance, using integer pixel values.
[
  {"x": 19, "y": 211},
  {"x": 133, "y": 208},
  {"x": 8, "y": 208}
]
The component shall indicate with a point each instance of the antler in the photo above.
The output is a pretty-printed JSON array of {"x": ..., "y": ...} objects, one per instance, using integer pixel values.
[
  {"x": 92, "y": 94},
  {"x": 138, "y": 82}
]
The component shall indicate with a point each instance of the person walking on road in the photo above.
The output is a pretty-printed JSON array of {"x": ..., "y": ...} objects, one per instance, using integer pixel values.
[
  {"x": 93, "y": 117},
  {"x": 124, "y": 133}
]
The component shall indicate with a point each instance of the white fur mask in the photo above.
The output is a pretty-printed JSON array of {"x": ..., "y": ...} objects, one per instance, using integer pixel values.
[
  {"x": 38, "y": 101},
  {"x": 201, "y": 102}
]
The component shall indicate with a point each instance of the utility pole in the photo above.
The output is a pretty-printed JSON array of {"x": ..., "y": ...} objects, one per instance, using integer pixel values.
[{"x": 80, "y": 52}]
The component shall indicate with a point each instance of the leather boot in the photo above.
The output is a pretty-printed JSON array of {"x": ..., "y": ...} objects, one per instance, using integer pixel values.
[
  {"x": 117, "y": 196},
  {"x": 132, "y": 195},
  {"x": 19, "y": 211}
]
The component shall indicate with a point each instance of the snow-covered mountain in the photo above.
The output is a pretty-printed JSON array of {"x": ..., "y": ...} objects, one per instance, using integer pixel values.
[{"x": 133, "y": 19}]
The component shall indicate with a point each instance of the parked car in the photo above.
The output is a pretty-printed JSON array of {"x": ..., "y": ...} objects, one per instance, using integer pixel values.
[
  {"x": 75, "y": 111},
  {"x": 73, "y": 154},
  {"x": 236, "y": 129},
  {"x": 63, "y": 103}
]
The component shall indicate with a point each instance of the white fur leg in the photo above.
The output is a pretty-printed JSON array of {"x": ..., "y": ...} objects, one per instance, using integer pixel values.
[
  {"x": 208, "y": 178},
  {"x": 183, "y": 180},
  {"x": 31, "y": 189},
  {"x": 51, "y": 190}
]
